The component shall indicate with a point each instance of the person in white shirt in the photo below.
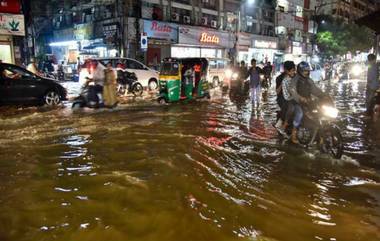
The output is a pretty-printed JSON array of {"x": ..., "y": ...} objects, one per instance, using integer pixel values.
[
  {"x": 32, "y": 67},
  {"x": 97, "y": 76}
]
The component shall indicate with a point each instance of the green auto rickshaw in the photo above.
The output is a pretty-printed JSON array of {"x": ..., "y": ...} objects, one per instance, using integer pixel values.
[{"x": 183, "y": 79}]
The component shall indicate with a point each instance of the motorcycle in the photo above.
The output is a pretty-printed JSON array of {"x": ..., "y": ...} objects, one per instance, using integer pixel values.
[
  {"x": 318, "y": 129},
  {"x": 87, "y": 98},
  {"x": 127, "y": 82}
]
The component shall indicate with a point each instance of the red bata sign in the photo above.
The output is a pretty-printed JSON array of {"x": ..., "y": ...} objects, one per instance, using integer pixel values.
[
  {"x": 161, "y": 28},
  {"x": 206, "y": 38},
  {"x": 10, "y": 6}
]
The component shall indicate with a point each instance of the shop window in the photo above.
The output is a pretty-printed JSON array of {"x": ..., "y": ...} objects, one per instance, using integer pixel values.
[
  {"x": 157, "y": 13},
  {"x": 209, "y": 4},
  {"x": 5, "y": 52}
]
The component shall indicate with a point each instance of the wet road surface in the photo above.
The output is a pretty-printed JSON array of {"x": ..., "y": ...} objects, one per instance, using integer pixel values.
[{"x": 207, "y": 170}]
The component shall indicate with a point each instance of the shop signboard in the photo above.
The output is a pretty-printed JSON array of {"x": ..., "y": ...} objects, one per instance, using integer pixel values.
[
  {"x": 245, "y": 40},
  {"x": 12, "y": 24},
  {"x": 205, "y": 37},
  {"x": 110, "y": 33},
  {"x": 161, "y": 30},
  {"x": 83, "y": 31},
  {"x": 262, "y": 44},
  {"x": 10, "y": 6}
]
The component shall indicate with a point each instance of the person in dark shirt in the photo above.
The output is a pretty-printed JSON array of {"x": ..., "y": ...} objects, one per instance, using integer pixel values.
[
  {"x": 288, "y": 66},
  {"x": 373, "y": 83},
  {"x": 255, "y": 83}
]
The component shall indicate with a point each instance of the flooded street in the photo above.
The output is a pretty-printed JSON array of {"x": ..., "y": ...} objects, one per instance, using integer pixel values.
[{"x": 206, "y": 170}]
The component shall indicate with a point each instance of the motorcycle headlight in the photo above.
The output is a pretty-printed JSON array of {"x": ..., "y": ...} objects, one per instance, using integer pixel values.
[
  {"x": 228, "y": 73},
  {"x": 262, "y": 76},
  {"x": 330, "y": 111},
  {"x": 235, "y": 75}
]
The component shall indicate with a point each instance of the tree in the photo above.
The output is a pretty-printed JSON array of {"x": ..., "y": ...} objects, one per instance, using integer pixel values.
[{"x": 336, "y": 37}]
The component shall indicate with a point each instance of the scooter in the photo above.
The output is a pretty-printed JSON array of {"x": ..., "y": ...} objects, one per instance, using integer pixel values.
[
  {"x": 318, "y": 129},
  {"x": 87, "y": 98},
  {"x": 127, "y": 82}
]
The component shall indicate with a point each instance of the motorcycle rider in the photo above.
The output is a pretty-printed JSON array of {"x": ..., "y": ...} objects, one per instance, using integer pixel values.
[
  {"x": 98, "y": 77},
  {"x": 301, "y": 89},
  {"x": 289, "y": 66}
]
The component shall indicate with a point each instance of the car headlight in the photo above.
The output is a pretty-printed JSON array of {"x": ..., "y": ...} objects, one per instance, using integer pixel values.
[
  {"x": 330, "y": 111},
  {"x": 228, "y": 73},
  {"x": 356, "y": 70},
  {"x": 235, "y": 75}
]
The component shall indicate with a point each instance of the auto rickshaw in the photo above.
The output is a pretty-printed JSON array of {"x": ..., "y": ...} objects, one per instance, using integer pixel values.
[{"x": 183, "y": 79}]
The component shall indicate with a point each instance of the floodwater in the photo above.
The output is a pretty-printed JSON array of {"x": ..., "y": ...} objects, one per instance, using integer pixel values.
[{"x": 205, "y": 170}]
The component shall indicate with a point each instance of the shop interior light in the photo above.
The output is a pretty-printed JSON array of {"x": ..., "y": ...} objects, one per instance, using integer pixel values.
[{"x": 63, "y": 44}]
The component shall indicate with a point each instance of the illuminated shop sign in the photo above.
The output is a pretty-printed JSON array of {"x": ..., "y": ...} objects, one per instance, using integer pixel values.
[
  {"x": 265, "y": 44},
  {"x": 208, "y": 38},
  {"x": 161, "y": 30}
]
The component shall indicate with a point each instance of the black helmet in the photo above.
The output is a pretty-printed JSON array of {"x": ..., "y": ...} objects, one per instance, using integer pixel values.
[{"x": 303, "y": 66}]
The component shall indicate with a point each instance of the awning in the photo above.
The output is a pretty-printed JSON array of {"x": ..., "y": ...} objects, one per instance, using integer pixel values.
[{"x": 371, "y": 21}]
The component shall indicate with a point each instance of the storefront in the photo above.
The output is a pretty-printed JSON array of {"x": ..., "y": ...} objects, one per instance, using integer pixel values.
[
  {"x": 11, "y": 26},
  {"x": 244, "y": 44},
  {"x": 264, "y": 49},
  {"x": 202, "y": 42},
  {"x": 86, "y": 41},
  {"x": 161, "y": 35}
]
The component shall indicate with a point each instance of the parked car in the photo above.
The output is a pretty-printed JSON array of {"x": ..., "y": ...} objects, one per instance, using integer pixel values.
[
  {"x": 317, "y": 73},
  {"x": 19, "y": 86},
  {"x": 146, "y": 77}
]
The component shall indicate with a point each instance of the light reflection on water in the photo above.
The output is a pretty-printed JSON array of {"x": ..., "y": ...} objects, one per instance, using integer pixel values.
[{"x": 185, "y": 172}]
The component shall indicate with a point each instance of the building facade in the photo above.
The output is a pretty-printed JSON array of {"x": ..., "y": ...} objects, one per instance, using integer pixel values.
[
  {"x": 12, "y": 31},
  {"x": 295, "y": 29},
  {"x": 348, "y": 10}
]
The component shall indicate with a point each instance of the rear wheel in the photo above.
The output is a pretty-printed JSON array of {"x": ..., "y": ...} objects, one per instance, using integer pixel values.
[
  {"x": 52, "y": 98},
  {"x": 137, "y": 89}
]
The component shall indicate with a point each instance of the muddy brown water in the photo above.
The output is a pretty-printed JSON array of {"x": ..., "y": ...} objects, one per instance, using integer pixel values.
[{"x": 206, "y": 170}]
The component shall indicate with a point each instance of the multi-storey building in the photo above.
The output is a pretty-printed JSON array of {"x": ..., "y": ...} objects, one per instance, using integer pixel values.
[
  {"x": 12, "y": 31},
  {"x": 209, "y": 28},
  {"x": 294, "y": 28},
  {"x": 181, "y": 28},
  {"x": 348, "y": 10}
]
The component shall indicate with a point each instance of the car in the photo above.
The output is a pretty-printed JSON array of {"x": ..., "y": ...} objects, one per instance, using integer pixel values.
[
  {"x": 21, "y": 87},
  {"x": 317, "y": 73},
  {"x": 216, "y": 71},
  {"x": 146, "y": 76}
]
